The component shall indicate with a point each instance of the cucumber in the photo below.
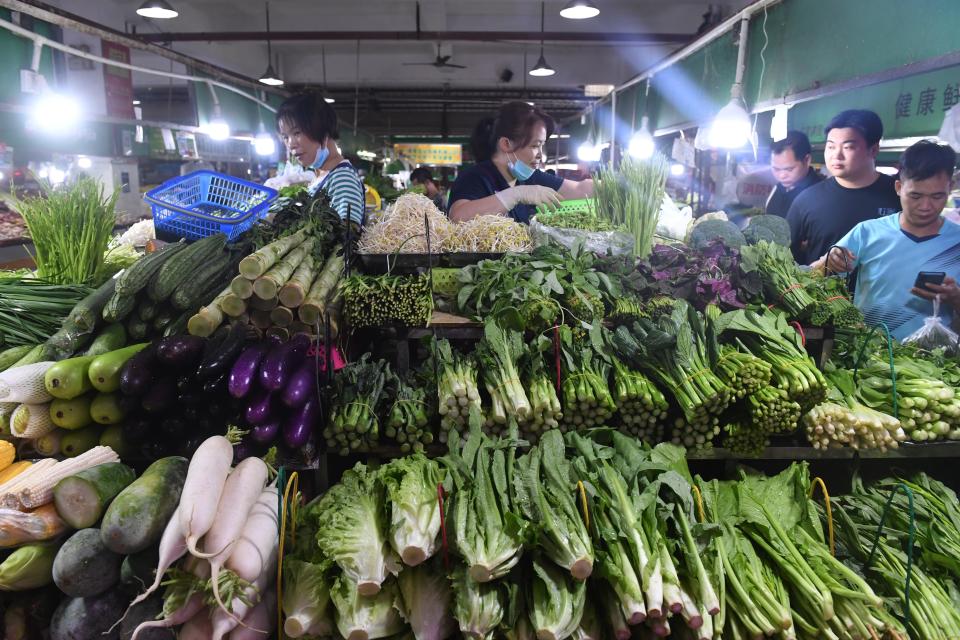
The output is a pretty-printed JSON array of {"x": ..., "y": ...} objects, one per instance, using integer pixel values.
[
  {"x": 175, "y": 272},
  {"x": 10, "y": 356},
  {"x": 84, "y": 567},
  {"x": 119, "y": 307},
  {"x": 137, "y": 328},
  {"x": 86, "y": 314},
  {"x": 137, "y": 517},
  {"x": 69, "y": 378},
  {"x": 138, "y": 275},
  {"x": 187, "y": 295},
  {"x": 163, "y": 318},
  {"x": 104, "y": 371},
  {"x": 81, "y": 499},
  {"x": 33, "y": 356},
  {"x": 89, "y": 618},
  {"x": 147, "y": 310},
  {"x": 71, "y": 414},
  {"x": 178, "y": 326},
  {"x": 113, "y": 337}
]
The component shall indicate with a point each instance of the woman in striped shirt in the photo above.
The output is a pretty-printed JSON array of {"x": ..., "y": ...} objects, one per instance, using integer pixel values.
[{"x": 308, "y": 128}]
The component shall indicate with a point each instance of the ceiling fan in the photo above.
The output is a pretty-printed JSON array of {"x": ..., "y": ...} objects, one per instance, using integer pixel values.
[{"x": 441, "y": 62}]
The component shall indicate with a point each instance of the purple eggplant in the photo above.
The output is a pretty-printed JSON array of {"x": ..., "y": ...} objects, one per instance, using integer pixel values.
[
  {"x": 297, "y": 430},
  {"x": 138, "y": 372},
  {"x": 258, "y": 410},
  {"x": 180, "y": 352},
  {"x": 282, "y": 361},
  {"x": 243, "y": 376},
  {"x": 216, "y": 362},
  {"x": 265, "y": 433},
  {"x": 301, "y": 386},
  {"x": 161, "y": 396},
  {"x": 243, "y": 450}
]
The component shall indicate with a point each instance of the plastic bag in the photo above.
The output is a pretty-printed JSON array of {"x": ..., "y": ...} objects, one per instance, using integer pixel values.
[
  {"x": 291, "y": 174},
  {"x": 617, "y": 243},
  {"x": 672, "y": 221},
  {"x": 934, "y": 334}
]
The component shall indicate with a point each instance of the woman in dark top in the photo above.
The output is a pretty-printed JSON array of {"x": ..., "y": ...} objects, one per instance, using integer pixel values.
[{"x": 506, "y": 180}]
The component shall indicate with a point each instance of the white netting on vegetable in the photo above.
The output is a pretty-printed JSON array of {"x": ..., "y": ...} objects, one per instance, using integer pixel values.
[
  {"x": 25, "y": 384},
  {"x": 31, "y": 421}
]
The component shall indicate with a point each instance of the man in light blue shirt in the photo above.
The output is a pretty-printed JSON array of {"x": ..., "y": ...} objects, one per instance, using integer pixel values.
[{"x": 889, "y": 252}]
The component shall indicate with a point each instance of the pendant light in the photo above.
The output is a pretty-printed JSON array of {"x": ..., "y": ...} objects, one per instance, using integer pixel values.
[
  {"x": 731, "y": 128},
  {"x": 542, "y": 69},
  {"x": 579, "y": 10},
  {"x": 270, "y": 76},
  {"x": 323, "y": 63},
  {"x": 642, "y": 144},
  {"x": 157, "y": 9}
]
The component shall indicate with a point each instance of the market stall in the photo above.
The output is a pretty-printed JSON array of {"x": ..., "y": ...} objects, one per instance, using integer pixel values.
[{"x": 280, "y": 421}]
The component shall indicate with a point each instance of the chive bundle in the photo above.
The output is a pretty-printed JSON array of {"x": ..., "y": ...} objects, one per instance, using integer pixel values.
[
  {"x": 631, "y": 196},
  {"x": 32, "y": 310},
  {"x": 70, "y": 227}
]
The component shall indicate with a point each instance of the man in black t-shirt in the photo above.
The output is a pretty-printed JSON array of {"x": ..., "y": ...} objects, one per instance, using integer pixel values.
[
  {"x": 856, "y": 192},
  {"x": 790, "y": 165}
]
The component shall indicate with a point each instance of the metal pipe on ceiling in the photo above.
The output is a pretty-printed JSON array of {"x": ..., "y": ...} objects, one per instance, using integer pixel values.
[
  {"x": 67, "y": 20},
  {"x": 599, "y": 37}
]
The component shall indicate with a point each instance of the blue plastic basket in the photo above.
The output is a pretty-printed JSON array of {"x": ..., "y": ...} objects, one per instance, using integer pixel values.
[{"x": 204, "y": 203}]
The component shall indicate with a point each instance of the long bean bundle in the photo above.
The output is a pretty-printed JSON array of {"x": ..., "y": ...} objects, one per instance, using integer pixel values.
[
  {"x": 70, "y": 227},
  {"x": 32, "y": 310},
  {"x": 631, "y": 196}
]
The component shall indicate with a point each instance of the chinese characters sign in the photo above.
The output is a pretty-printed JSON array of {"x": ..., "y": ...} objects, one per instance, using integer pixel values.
[
  {"x": 912, "y": 106},
  {"x": 438, "y": 154}
]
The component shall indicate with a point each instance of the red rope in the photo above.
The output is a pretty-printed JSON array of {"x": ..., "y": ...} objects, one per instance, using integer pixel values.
[
  {"x": 556, "y": 354},
  {"x": 803, "y": 337}
]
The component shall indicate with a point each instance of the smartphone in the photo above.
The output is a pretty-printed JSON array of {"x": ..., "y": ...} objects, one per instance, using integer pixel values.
[{"x": 929, "y": 277}]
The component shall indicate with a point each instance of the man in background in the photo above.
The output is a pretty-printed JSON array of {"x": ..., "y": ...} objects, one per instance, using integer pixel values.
[
  {"x": 854, "y": 193},
  {"x": 790, "y": 165},
  {"x": 422, "y": 177},
  {"x": 890, "y": 252}
]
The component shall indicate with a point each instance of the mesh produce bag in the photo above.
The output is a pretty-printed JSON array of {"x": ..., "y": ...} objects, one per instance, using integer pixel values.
[{"x": 934, "y": 334}]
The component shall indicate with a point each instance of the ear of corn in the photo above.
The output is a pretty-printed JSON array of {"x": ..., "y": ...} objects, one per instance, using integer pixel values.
[
  {"x": 7, "y": 454},
  {"x": 14, "y": 470}
]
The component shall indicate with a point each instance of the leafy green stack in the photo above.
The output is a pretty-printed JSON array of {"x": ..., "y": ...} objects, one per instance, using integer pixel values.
[
  {"x": 934, "y": 574},
  {"x": 360, "y": 402}
]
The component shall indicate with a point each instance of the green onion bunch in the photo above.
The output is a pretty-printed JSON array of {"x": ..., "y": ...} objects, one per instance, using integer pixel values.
[
  {"x": 631, "y": 196},
  {"x": 70, "y": 227},
  {"x": 372, "y": 301},
  {"x": 32, "y": 310}
]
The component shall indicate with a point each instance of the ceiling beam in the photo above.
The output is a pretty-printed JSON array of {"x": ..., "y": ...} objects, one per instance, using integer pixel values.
[
  {"x": 66, "y": 20},
  {"x": 599, "y": 37}
]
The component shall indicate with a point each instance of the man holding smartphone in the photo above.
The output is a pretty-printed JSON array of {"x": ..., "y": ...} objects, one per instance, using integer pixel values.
[{"x": 906, "y": 259}]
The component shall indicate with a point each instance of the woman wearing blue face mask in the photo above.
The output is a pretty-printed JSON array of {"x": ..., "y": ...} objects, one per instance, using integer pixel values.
[
  {"x": 308, "y": 128},
  {"x": 506, "y": 180}
]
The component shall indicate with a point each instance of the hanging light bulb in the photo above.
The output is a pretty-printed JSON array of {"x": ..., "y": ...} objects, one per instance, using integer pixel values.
[
  {"x": 579, "y": 10},
  {"x": 157, "y": 9},
  {"x": 642, "y": 144},
  {"x": 264, "y": 144},
  {"x": 270, "y": 77},
  {"x": 542, "y": 69},
  {"x": 731, "y": 128},
  {"x": 589, "y": 152}
]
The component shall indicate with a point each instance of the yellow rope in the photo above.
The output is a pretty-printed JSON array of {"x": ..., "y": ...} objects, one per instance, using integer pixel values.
[
  {"x": 583, "y": 502},
  {"x": 699, "y": 499},
  {"x": 288, "y": 510},
  {"x": 818, "y": 482}
]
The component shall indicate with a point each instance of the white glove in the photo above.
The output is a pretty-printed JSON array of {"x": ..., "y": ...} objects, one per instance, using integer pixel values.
[{"x": 534, "y": 194}]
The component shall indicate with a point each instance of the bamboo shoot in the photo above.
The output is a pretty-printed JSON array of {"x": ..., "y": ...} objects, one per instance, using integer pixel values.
[
  {"x": 242, "y": 287},
  {"x": 281, "y": 316},
  {"x": 295, "y": 290},
  {"x": 268, "y": 285},
  {"x": 206, "y": 321},
  {"x": 312, "y": 309},
  {"x": 233, "y": 305},
  {"x": 257, "y": 302},
  {"x": 260, "y": 319},
  {"x": 259, "y": 262}
]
